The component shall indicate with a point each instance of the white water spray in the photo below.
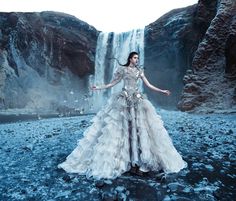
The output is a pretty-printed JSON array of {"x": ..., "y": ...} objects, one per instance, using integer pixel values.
[{"x": 122, "y": 45}]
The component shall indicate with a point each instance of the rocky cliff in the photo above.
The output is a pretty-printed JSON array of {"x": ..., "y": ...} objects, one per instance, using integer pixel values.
[
  {"x": 211, "y": 84},
  {"x": 190, "y": 52},
  {"x": 44, "y": 57}
]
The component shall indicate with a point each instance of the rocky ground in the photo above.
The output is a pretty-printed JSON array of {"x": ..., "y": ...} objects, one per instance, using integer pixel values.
[{"x": 31, "y": 150}]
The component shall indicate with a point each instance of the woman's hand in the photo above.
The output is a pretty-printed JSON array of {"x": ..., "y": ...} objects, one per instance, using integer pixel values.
[
  {"x": 94, "y": 87},
  {"x": 166, "y": 92}
]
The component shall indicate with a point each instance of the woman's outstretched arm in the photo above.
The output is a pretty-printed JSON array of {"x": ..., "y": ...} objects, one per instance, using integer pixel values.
[
  {"x": 149, "y": 85},
  {"x": 111, "y": 84},
  {"x": 116, "y": 79}
]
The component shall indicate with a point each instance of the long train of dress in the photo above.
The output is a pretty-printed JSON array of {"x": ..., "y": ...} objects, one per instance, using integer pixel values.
[{"x": 126, "y": 131}]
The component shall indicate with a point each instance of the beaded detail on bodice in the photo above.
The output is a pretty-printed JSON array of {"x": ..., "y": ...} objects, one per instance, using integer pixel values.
[
  {"x": 130, "y": 78},
  {"x": 130, "y": 89}
]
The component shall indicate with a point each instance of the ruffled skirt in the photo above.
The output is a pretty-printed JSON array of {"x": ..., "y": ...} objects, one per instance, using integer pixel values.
[{"x": 120, "y": 137}]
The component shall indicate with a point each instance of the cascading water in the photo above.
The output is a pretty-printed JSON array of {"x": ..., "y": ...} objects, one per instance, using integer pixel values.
[
  {"x": 121, "y": 45},
  {"x": 98, "y": 79}
]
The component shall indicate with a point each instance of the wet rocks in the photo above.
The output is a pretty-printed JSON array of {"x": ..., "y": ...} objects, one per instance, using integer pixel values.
[
  {"x": 206, "y": 142},
  {"x": 99, "y": 183}
]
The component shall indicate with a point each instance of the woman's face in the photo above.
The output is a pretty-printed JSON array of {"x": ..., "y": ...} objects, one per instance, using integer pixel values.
[{"x": 134, "y": 60}]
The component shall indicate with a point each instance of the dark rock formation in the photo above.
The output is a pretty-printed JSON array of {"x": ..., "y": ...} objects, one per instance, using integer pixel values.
[
  {"x": 170, "y": 44},
  {"x": 45, "y": 57},
  {"x": 214, "y": 66},
  {"x": 191, "y": 51},
  {"x": 49, "y": 48}
]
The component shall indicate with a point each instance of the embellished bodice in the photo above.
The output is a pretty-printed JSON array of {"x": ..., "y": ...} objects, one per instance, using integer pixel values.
[
  {"x": 131, "y": 77},
  {"x": 130, "y": 89}
]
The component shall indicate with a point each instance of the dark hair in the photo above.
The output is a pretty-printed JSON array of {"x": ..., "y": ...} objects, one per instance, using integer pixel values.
[{"x": 131, "y": 54}]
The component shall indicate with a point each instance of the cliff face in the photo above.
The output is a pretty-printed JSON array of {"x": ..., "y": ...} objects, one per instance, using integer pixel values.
[
  {"x": 40, "y": 51},
  {"x": 170, "y": 44},
  {"x": 190, "y": 51},
  {"x": 211, "y": 85},
  {"x": 45, "y": 58}
]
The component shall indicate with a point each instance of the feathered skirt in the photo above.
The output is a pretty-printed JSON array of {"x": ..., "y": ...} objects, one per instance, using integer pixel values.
[{"x": 126, "y": 131}]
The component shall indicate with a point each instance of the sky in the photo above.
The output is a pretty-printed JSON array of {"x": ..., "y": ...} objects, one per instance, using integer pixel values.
[{"x": 104, "y": 15}]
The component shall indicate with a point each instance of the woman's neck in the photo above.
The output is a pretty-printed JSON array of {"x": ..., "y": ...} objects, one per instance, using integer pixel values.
[{"x": 131, "y": 65}]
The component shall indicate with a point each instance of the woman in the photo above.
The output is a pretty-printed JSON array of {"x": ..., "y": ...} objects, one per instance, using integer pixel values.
[{"x": 126, "y": 134}]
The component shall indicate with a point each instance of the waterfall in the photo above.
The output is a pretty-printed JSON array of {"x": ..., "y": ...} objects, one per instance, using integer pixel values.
[
  {"x": 121, "y": 44},
  {"x": 98, "y": 79}
]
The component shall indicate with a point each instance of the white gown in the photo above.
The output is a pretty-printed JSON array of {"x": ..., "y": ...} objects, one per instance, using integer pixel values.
[{"x": 125, "y": 132}]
